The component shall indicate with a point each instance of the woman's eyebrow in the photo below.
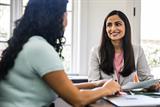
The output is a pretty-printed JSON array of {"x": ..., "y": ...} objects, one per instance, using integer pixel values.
[{"x": 118, "y": 21}]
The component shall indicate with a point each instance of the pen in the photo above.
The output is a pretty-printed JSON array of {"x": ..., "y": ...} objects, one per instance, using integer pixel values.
[{"x": 130, "y": 92}]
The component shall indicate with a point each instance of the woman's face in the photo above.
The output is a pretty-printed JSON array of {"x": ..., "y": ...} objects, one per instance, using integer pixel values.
[{"x": 115, "y": 28}]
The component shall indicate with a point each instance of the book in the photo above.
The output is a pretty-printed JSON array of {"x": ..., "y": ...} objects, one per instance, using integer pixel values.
[{"x": 138, "y": 85}]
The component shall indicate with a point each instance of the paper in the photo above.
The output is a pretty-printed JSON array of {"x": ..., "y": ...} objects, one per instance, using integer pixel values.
[
  {"x": 134, "y": 101},
  {"x": 143, "y": 84}
]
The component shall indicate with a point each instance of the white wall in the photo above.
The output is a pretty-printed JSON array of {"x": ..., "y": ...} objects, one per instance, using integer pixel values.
[{"x": 92, "y": 14}]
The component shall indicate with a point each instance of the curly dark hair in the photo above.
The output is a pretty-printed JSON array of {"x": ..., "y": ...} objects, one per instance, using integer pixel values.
[
  {"x": 41, "y": 17},
  {"x": 107, "y": 49}
]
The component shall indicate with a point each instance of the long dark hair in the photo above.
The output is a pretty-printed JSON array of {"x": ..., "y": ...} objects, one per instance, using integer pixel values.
[
  {"x": 107, "y": 49},
  {"x": 41, "y": 17}
]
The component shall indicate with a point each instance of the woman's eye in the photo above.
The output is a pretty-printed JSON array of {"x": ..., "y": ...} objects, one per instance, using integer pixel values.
[
  {"x": 118, "y": 24},
  {"x": 109, "y": 25}
]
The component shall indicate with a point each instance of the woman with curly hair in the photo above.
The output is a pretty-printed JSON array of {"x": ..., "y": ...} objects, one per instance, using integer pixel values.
[{"x": 31, "y": 71}]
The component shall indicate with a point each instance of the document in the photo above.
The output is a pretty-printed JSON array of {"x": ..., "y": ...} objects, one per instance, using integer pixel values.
[
  {"x": 143, "y": 84},
  {"x": 134, "y": 101}
]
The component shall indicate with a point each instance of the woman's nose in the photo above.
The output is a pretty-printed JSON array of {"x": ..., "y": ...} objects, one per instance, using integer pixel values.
[{"x": 113, "y": 28}]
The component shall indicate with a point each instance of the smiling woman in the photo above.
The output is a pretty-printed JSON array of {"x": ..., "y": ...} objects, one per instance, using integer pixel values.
[
  {"x": 115, "y": 53},
  {"x": 116, "y": 57}
]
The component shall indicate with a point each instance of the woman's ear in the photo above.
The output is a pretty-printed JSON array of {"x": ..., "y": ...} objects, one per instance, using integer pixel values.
[{"x": 65, "y": 20}]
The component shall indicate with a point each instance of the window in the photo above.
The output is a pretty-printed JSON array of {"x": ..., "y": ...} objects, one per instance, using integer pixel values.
[
  {"x": 4, "y": 23},
  {"x": 4, "y": 19},
  {"x": 67, "y": 49},
  {"x": 150, "y": 35},
  {"x": 24, "y": 4},
  {"x": 8, "y": 14}
]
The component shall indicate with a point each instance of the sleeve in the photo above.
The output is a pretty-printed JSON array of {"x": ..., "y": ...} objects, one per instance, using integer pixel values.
[
  {"x": 94, "y": 72},
  {"x": 43, "y": 59},
  {"x": 143, "y": 69}
]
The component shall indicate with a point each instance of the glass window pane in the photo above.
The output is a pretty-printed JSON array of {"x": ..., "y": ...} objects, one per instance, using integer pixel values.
[
  {"x": 25, "y": 2},
  {"x": 150, "y": 38},
  {"x": 5, "y": 1},
  {"x": 69, "y": 5},
  {"x": 67, "y": 58},
  {"x": 149, "y": 20},
  {"x": 68, "y": 30},
  {"x": 4, "y": 22}
]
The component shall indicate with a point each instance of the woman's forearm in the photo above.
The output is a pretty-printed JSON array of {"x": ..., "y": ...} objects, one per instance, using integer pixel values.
[
  {"x": 89, "y": 96},
  {"x": 87, "y": 85},
  {"x": 90, "y": 85},
  {"x": 59, "y": 82}
]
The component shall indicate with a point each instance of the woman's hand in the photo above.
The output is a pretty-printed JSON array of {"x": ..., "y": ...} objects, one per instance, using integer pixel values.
[
  {"x": 112, "y": 87},
  {"x": 155, "y": 87}
]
